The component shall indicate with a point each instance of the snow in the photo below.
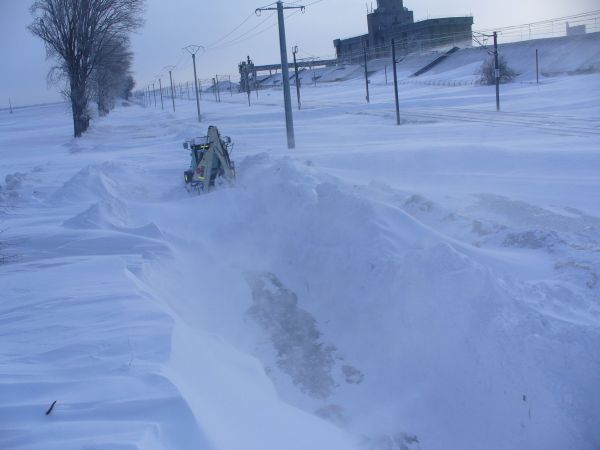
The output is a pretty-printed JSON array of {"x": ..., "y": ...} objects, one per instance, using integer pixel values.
[
  {"x": 430, "y": 286},
  {"x": 556, "y": 56}
]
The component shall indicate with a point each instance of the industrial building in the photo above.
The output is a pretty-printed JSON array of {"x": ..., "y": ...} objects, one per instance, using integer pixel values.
[{"x": 392, "y": 20}]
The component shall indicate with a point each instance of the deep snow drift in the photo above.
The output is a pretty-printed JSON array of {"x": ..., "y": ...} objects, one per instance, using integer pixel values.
[{"x": 432, "y": 286}]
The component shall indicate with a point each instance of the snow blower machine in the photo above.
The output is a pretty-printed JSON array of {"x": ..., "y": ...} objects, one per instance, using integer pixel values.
[{"x": 210, "y": 161}]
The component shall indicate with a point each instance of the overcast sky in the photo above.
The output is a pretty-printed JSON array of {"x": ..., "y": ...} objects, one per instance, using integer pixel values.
[{"x": 172, "y": 24}]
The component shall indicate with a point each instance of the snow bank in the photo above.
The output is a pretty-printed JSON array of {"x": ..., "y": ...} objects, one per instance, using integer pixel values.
[
  {"x": 573, "y": 54},
  {"x": 429, "y": 286}
]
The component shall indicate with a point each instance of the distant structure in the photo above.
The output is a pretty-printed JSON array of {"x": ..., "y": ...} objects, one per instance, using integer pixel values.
[
  {"x": 248, "y": 76},
  {"x": 392, "y": 20},
  {"x": 251, "y": 76},
  {"x": 576, "y": 30}
]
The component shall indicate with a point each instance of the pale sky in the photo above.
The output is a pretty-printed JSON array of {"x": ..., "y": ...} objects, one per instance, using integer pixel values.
[{"x": 171, "y": 25}]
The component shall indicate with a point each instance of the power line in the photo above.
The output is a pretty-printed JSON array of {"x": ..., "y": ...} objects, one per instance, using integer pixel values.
[
  {"x": 244, "y": 36},
  {"x": 250, "y": 16},
  {"x": 547, "y": 21},
  {"x": 241, "y": 38}
]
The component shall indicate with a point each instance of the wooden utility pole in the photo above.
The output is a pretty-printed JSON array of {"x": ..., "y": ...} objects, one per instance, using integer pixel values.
[
  {"x": 154, "y": 93},
  {"x": 218, "y": 90}
]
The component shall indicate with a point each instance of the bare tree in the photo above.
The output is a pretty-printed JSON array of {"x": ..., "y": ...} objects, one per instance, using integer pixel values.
[
  {"x": 111, "y": 73},
  {"x": 488, "y": 71},
  {"x": 75, "y": 33},
  {"x": 127, "y": 91}
]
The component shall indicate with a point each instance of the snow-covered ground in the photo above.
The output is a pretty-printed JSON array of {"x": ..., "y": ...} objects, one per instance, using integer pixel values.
[{"x": 431, "y": 286}]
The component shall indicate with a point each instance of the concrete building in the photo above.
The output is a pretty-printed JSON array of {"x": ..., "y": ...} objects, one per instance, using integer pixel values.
[
  {"x": 576, "y": 30},
  {"x": 392, "y": 20}
]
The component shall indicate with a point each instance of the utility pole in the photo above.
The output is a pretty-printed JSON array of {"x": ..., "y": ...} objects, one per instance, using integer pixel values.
[
  {"x": 199, "y": 88},
  {"x": 162, "y": 105},
  {"x": 297, "y": 78},
  {"x": 170, "y": 69},
  {"x": 215, "y": 90},
  {"x": 497, "y": 70},
  {"x": 10, "y": 106},
  {"x": 366, "y": 74},
  {"x": 395, "y": 82},
  {"x": 289, "y": 119},
  {"x": 247, "y": 71},
  {"x": 192, "y": 50},
  {"x": 230, "y": 86},
  {"x": 217, "y": 86},
  {"x": 154, "y": 93},
  {"x": 537, "y": 66}
]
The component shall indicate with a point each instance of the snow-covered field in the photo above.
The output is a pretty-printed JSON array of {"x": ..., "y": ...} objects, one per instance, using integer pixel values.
[{"x": 431, "y": 286}]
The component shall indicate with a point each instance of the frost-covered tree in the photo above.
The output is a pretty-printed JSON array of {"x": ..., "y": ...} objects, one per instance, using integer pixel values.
[
  {"x": 76, "y": 33},
  {"x": 488, "y": 71},
  {"x": 127, "y": 91},
  {"x": 111, "y": 76}
]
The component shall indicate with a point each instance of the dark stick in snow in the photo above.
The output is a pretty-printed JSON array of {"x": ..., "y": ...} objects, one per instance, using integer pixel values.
[{"x": 51, "y": 408}]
